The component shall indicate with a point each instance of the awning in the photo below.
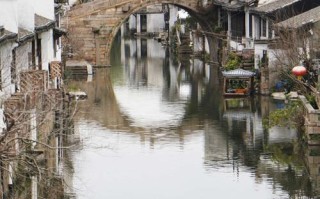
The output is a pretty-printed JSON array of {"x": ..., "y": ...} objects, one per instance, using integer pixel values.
[
  {"x": 59, "y": 32},
  {"x": 238, "y": 73}
]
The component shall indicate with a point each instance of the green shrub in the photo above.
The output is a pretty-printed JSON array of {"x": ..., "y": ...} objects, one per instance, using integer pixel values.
[
  {"x": 233, "y": 61},
  {"x": 291, "y": 116}
]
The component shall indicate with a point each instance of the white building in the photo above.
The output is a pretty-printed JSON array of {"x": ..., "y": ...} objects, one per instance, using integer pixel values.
[
  {"x": 250, "y": 25},
  {"x": 29, "y": 41},
  {"x": 153, "y": 19},
  {"x": 9, "y": 34}
]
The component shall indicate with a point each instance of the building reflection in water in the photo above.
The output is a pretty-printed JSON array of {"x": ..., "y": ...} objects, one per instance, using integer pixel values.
[
  {"x": 163, "y": 100},
  {"x": 274, "y": 155}
]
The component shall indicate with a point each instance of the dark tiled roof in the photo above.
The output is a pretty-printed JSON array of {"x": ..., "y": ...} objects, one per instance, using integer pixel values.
[
  {"x": 24, "y": 35},
  {"x": 273, "y": 6},
  {"x": 298, "y": 21},
  {"x": 42, "y": 23},
  {"x": 220, "y": 2},
  {"x": 227, "y": 1},
  {"x": 6, "y": 35},
  {"x": 236, "y": 5}
]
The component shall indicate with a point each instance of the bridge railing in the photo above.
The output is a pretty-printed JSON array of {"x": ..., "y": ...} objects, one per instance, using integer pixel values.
[
  {"x": 95, "y": 6},
  {"x": 92, "y": 7}
]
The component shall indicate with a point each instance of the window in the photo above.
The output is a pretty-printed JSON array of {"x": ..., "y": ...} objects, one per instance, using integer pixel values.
[
  {"x": 250, "y": 26},
  {"x": 143, "y": 23},
  {"x": 13, "y": 66},
  {"x": 33, "y": 55},
  {"x": 39, "y": 54},
  {"x": 263, "y": 28}
]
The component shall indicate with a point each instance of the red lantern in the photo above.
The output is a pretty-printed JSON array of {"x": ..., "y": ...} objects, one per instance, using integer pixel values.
[{"x": 299, "y": 71}]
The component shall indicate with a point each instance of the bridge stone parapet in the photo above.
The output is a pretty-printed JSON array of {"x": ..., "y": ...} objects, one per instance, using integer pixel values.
[{"x": 93, "y": 25}]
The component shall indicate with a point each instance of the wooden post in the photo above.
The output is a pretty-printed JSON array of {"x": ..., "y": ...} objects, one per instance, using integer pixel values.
[
  {"x": 247, "y": 26},
  {"x": 203, "y": 44},
  {"x": 224, "y": 85},
  {"x": 251, "y": 85},
  {"x": 229, "y": 30}
]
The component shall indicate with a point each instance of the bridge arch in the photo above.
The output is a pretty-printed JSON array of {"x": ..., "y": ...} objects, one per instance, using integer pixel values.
[{"x": 93, "y": 26}]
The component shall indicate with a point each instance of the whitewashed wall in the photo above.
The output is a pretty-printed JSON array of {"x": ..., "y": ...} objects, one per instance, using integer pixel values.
[
  {"x": 258, "y": 53},
  {"x": 9, "y": 17},
  {"x": 132, "y": 22},
  {"x": 22, "y": 57},
  {"x": 255, "y": 27},
  {"x": 47, "y": 49},
  {"x": 58, "y": 52},
  {"x": 236, "y": 46},
  {"x": 5, "y": 63},
  {"x": 155, "y": 22},
  {"x": 44, "y": 8},
  {"x": 26, "y": 14}
]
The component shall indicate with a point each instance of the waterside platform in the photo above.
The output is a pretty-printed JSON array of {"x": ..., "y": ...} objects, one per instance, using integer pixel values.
[
  {"x": 76, "y": 67},
  {"x": 78, "y": 95}
]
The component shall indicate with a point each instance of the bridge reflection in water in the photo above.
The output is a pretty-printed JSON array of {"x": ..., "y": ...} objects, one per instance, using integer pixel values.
[{"x": 153, "y": 127}]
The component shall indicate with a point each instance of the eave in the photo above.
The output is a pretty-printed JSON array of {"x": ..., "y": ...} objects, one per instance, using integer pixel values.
[
  {"x": 24, "y": 36},
  {"x": 43, "y": 24},
  {"x": 6, "y": 36}
]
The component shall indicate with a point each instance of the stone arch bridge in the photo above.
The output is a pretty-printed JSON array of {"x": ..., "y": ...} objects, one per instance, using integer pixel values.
[{"x": 92, "y": 26}]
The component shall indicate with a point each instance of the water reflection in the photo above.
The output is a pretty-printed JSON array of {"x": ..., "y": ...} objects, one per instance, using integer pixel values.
[{"x": 161, "y": 129}]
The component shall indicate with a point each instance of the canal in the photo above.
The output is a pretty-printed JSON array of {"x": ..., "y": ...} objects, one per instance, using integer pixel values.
[{"x": 154, "y": 127}]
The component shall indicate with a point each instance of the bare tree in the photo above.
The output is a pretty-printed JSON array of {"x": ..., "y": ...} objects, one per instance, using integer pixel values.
[
  {"x": 37, "y": 120},
  {"x": 292, "y": 47}
]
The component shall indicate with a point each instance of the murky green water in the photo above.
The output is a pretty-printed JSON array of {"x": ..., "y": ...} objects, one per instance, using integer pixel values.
[{"x": 156, "y": 128}]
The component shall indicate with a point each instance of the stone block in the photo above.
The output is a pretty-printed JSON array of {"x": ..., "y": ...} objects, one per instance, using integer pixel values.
[{"x": 310, "y": 159}]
